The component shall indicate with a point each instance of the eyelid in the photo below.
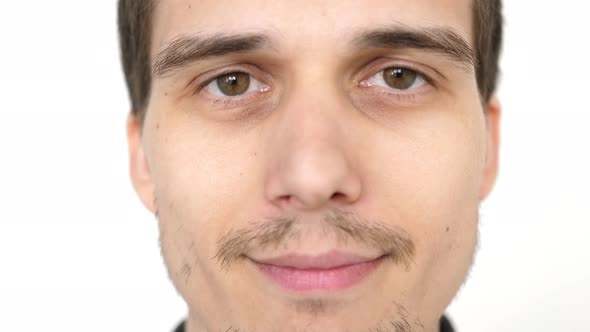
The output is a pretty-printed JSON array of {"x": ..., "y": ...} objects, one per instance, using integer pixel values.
[
  {"x": 375, "y": 67},
  {"x": 203, "y": 80},
  {"x": 254, "y": 85},
  {"x": 197, "y": 87},
  {"x": 374, "y": 80}
]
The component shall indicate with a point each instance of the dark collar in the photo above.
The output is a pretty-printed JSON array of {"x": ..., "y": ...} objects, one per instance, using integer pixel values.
[{"x": 445, "y": 326}]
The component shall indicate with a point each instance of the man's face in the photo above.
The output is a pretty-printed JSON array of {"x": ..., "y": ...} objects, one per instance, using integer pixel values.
[{"x": 315, "y": 165}]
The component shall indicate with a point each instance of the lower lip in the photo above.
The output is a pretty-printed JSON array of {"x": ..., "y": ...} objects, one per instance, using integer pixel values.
[{"x": 305, "y": 280}]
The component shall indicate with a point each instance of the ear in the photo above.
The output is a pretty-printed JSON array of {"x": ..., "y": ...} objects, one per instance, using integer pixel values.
[
  {"x": 493, "y": 112},
  {"x": 138, "y": 164}
]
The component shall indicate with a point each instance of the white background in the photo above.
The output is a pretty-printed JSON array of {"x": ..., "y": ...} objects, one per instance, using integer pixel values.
[{"x": 79, "y": 253}]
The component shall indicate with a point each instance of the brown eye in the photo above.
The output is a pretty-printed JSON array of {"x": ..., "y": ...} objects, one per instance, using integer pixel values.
[
  {"x": 233, "y": 84},
  {"x": 400, "y": 78}
]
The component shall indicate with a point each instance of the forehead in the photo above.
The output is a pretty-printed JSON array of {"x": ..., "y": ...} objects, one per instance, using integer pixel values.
[{"x": 304, "y": 22}]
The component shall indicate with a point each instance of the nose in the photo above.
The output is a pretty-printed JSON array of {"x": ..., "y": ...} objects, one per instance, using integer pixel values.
[{"x": 311, "y": 161}]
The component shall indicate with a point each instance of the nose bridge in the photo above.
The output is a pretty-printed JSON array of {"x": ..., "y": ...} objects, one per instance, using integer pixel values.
[
  {"x": 311, "y": 138},
  {"x": 309, "y": 121},
  {"x": 313, "y": 110},
  {"x": 310, "y": 161}
]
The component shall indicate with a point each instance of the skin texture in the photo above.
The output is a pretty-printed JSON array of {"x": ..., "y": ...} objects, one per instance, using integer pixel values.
[{"x": 314, "y": 144}]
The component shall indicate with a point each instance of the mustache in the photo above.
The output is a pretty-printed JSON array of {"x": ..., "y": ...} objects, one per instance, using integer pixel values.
[{"x": 389, "y": 239}]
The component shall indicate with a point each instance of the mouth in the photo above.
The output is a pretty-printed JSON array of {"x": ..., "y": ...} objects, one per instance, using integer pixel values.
[{"x": 333, "y": 271}]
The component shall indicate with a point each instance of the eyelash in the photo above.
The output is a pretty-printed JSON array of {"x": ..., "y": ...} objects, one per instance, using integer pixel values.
[
  {"x": 228, "y": 101},
  {"x": 399, "y": 95},
  {"x": 408, "y": 96}
]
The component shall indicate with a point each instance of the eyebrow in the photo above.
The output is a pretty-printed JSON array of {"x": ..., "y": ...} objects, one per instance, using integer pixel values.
[
  {"x": 442, "y": 40},
  {"x": 187, "y": 49}
]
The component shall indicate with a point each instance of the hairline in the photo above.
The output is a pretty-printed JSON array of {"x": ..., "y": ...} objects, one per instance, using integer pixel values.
[{"x": 139, "y": 102}]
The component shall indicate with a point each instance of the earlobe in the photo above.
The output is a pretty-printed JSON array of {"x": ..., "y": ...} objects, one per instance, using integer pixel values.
[
  {"x": 493, "y": 112},
  {"x": 139, "y": 169}
]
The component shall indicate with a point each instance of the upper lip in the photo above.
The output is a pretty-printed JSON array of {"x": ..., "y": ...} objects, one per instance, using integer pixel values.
[{"x": 330, "y": 260}]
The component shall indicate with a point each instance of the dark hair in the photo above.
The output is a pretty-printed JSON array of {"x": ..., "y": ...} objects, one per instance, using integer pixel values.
[
  {"x": 135, "y": 34},
  {"x": 488, "y": 30}
]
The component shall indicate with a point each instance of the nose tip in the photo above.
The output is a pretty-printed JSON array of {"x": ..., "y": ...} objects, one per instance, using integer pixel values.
[{"x": 310, "y": 180}]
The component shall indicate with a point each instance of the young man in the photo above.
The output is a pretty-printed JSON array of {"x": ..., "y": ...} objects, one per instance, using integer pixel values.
[{"x": 314, "y": 165}]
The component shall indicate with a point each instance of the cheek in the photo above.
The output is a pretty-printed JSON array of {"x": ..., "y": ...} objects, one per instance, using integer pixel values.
[
  {"x": 434, "y": 191},
  {"x": 200, "y": 192},
  {"x": 432, "y": 174},
  {"x": 433, "y": 163},
  {"x": 200, "y": 181}
]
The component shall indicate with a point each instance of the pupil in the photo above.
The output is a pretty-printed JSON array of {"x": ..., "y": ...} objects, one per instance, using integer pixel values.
[
  {"x": 232, "y": 80},
  {"x": 399, "y": 78},
  {"x": 233, "y": 84}
]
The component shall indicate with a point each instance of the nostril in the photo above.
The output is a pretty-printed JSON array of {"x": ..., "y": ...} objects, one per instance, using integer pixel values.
[
  {"x": 338, "y": 196},
  {"x": 284, "y": 198}
]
